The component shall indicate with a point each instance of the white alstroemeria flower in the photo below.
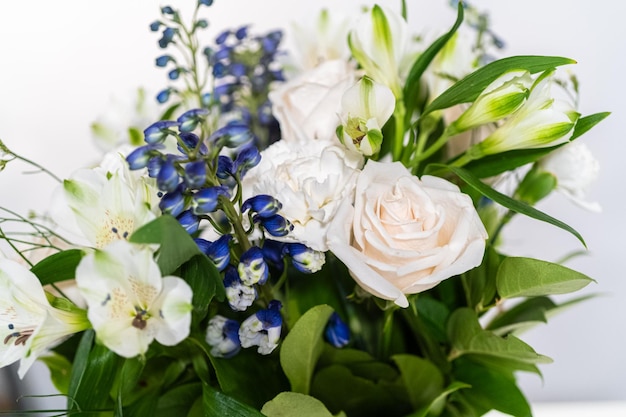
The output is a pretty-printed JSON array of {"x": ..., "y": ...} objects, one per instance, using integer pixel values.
[
  {"x": 130, "y": 304},
  {"x": 325, "y": 41},
  {"x": 380, "y": 43},
  {"x": 366, "y": 107},
  {"x": 542, "y": 121},
  {"x": 500, "y": 99},
  {"x": 105, "y": 203},
  {"x": 575, "y": 169},
  {"x": 29, "y": 324}
]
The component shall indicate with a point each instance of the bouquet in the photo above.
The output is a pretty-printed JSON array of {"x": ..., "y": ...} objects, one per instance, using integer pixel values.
[{"x": 312, "y": 232}]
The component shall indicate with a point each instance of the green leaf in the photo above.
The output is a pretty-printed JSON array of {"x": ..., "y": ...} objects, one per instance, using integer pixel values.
[
  {"x": 175, "y": 245},
  {"x": 526, "y": 314},
  {"x": 217, "y": 403},
  {"x": 470, "y": 87},
  {"x": 509, "y": 202},
  {"x": 412, "y": 85},
  {"x": 584, "y": 124},
  {"x": 59, "y": 368},
  {"x": 93, "y": 376},
  {"x": 438, "y": 403},
  {"x": 527, "y": 277},
  {"x": 491, "y": 389},
  {"x": 422, "y": 379},
  {"x": 178, "y": 400},
  {"x": 285, "y": 403},
  {"x": 58, "y": 267},
  {"x": 303, "y": 346},
  {"x": 496, "y": 164},
  {"x": 205, "y": 281},
  {"x": 469, "y": 338}
]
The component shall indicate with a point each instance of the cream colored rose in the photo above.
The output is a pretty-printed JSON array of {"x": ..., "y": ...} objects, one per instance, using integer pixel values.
[
  {"x": 403, "y": 235},
  {"x": 307, "y": 107}
]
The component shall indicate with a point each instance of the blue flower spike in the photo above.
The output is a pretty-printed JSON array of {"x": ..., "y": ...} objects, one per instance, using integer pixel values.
[
  {"x": 263, "y": 205},
  {"x": 222, "y": 335},
  {"x": 337, "y": 332},
  {"x": 303, "y": 258},
  {"x": 158, "y": 131},
  {"x": 262, "y": 329},
  {"x": 252, "y": 267},
  {"x": 218, "y": 252},
  {"x": 167, "y": 38},
  {"x": 190, "y": 119},
  {"x": 239, "y": 295}
]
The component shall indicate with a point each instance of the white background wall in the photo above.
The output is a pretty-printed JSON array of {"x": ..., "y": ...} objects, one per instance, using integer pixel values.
[{"x": 62, "y": 61}]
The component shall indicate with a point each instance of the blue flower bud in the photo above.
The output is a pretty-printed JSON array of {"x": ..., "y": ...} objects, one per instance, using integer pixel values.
[
  {"x": 163, "y": 60},
  {"x": 157, "y": 132},
  {"x": 195, "y": 174},
  {"x": 218, "y": 252},
  {"x": 202, "y": 23},
  {"x": 205, "y": 2},
  {"x": 223, "y": 53},
  {"x": 189, "y": 221},
  {"x": 242, "y": 32},
  {"x": 190, "y": 119},
  {"x": 208, "y": 53},
  {"x": 264, "y": 113},
  {"x": 275, "y": 225},
  {"x": 168, "y": 177},
  {"x": 191, "y": 142},
  {"x": 206, "y": 200},
  {"x": 140, "y": 157},
  {"x": 222, "y": 335},
  {"x": 247, "y": 158},
  {"x": 232, "y": 135},
  {"x": 173, "y": 74},
  {"x": 173, "y": 202},
  {"x": 252, "y": 267},
  {"x": 224, "y": 90},
  {"x": 304, "y": 259},
  {"x": 271, "y": 41},
  {"x": 224, "y": 167},
  {"x": 154, "y": 26},
  {"x": 154, "y": 166},
  {"x": 238, "y": 69},
  {"x": 164, "y": 95},
  {"x": 167, "y": 38},
  {"x": 273, "y": 253},
  {"x": 206, "y": 99},
  {"x": 221, "y": 38},
  {"x": 239, "y": 295},
  {"x": 220, "y": 70},
  {"x": 337, "y": 332},
  {"x": 167, "y": 10},
  {"x": 263, "y": 205},
  {"x": 262, "y": 329}
]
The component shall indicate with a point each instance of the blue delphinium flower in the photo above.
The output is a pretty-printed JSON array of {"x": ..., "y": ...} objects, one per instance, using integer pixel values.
[
  {"x": 252, "y": 267},
  {"x": 262, "y": 329},
  {"x": 263, "y": 205},
  {"x": 232, "y": 135},
  {"x": 167, "y": 38},
  {"x": 158, "y": 131},
  {"x": 168, "y": 177},
  {"x": 206, "y": 200},
  {"x": 205, "y": 2},
  {"x": 337, "y": 332},
  {"x": 190, "y": 119},
  {"x": 247, "y": 158},
  {"x": 163, "y": 60},
  {"x": 189, "y": 221},
  {"x": 164, "y": 95},
  {"x": 239, "y": 295},
  {"x": 304, "y": 259},
  {"x": 173, "y": 202},
  {"x": 140, "y": 157},
  {"x": 222, "y": 335},
  {"x": 275, "y": 225},
  {"x": 190, "y": 141},
  {"x": 218, "y": 251}
]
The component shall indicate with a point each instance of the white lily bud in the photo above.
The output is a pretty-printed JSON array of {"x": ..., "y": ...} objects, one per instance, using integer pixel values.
[
  {"x": 500, "y": 99},
  {"x": 379, "y": 43},
  {"x": 541, "y": 122},
  {"x": 366, "y": 107}
]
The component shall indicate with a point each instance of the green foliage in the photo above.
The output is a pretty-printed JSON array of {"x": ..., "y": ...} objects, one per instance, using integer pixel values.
[
  {"x": 527, "y": 277},
  {"x": 58, "y": 267},
  {"x": 284, "y": 404},
  {"x": 303, "y": 346},
  {"x": 218, "y": 404}
]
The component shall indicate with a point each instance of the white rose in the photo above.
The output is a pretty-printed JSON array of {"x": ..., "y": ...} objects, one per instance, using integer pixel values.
[
  {"x": 310, "y": 179},
  {"x": 307, "y": 107},
  {"x": 575, "y": 169},
  {"x": 404, "y": 235}
]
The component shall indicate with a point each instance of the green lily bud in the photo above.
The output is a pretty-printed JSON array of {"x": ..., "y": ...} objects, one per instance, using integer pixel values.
[
  {"x": 366, "y": 107},
  {"x": 536, "y": 185},
  {"x": 500, "y": 99}
]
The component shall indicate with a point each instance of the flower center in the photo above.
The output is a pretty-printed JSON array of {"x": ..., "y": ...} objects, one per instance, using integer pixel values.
[
  {"x": 140, "y": 321},
  {"x": 20, "y": 336}
]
